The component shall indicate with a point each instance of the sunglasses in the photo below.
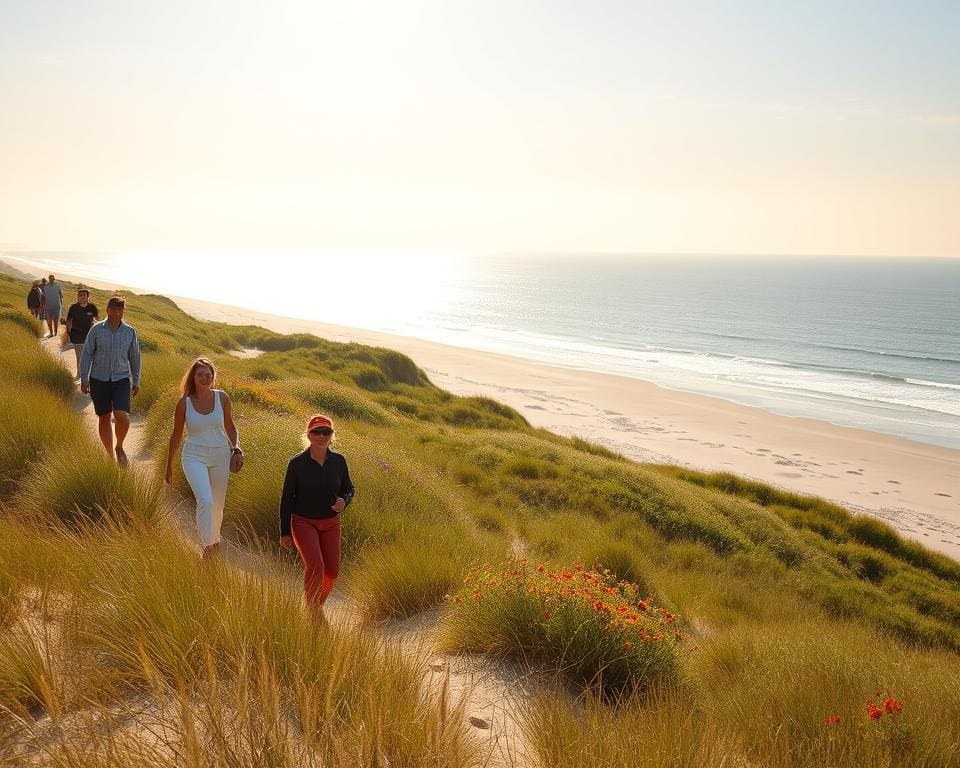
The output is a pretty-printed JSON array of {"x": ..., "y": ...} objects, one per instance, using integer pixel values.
[{"x": 325, "y": 431}]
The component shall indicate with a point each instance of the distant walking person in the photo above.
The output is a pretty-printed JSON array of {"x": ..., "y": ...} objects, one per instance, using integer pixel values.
[
  {"x": 110, "y": 373},
  {"x": 43, "y": 301},
  {"x": 211, "y": 442},
  {"x": 316, "y": 489},
  {"x": 53, "y": 293},
  {"x": 80, "y": 319},
  {"x": 35, "y": 299}
]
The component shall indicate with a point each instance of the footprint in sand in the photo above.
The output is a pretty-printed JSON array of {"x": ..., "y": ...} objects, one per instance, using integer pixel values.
[
  {"x": 854, "y": 471},
  {"x": 894, "y": 482},
  {"x": 945, "y": 495}
]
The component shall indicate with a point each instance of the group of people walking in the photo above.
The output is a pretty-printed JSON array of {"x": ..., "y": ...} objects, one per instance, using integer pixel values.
[
  {"x": 45, "y": 302},
  {"x": 316, "y": 487}
]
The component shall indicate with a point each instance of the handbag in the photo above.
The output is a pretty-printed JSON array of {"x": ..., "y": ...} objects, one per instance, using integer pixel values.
[{"x": 236, "y": 461}]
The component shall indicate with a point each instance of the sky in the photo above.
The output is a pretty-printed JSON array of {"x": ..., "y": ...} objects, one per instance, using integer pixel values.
[{"x": 818, "y": 128}]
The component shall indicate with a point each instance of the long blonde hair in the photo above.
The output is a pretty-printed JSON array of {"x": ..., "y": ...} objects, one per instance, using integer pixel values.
[{"x": 187, "y": 384}]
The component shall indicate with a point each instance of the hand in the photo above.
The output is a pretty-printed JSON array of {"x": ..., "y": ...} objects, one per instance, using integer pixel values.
[
  {"x": 85, "y": 388},
  {"x": 338, "y": 505},
  {"x": 134, "y": 391},
  {"x": 286, "y": 541}
]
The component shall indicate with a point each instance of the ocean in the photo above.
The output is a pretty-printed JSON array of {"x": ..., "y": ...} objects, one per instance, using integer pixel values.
[{"x": 868, "y": 343}]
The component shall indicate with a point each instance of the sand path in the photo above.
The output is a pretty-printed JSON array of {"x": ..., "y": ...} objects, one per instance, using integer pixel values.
[{"x": 487, "y": 693}]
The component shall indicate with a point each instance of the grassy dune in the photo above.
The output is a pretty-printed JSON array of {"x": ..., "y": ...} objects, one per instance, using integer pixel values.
[{"x": 706, "y": 619}]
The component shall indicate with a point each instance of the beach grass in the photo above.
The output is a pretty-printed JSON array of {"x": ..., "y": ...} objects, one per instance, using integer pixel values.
[
  {"x": 145, "y": 619},
  {"x": 93, "y": 489}
]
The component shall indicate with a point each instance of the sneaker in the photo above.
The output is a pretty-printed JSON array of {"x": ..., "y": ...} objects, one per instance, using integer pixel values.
[{"x": 122, "y": 459}]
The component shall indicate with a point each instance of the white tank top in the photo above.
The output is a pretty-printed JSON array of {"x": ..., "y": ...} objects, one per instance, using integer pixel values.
[{"x": 206, "y": 429}]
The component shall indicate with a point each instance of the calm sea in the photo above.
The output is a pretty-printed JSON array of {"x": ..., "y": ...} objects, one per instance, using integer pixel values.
[{"x": 867, "y": 343}]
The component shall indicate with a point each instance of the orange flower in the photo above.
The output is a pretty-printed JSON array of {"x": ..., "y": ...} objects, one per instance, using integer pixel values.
[
  {"x": 833, "y": 720},
  {"x": 873, "y": 711},
  {"x": 891, "y": 705},
  {"x": 627, "y": 645}
]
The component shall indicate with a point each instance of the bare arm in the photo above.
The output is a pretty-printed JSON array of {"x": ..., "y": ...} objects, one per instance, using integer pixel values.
[
  {"x": 228, "y": 424},
  {"x": 176, "y": 437}
]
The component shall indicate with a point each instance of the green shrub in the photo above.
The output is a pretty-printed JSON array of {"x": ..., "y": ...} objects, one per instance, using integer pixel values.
[
  {"x": 409, "y": 575},
  {"x": 624, "y": 562},
  {"x": 90, "y": 490},
  {"x": 590, "y": 628},
  {"x": 28, "y": 322},
  {"x": 528, "y": 468},
  {"x": 487, "y": 457},
  {"x": 25, "y": 366},
  {"x": 336, "y": 400},
  {"x": 34, "y": 422},
  {"x": 368, "y": 377}
]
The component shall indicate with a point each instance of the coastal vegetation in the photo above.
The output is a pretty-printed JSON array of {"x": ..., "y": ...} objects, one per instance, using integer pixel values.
[{"x": 664, "y": 616}]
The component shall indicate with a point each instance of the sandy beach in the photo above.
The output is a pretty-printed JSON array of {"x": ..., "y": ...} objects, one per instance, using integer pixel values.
[{"x": 913, "y": 486}]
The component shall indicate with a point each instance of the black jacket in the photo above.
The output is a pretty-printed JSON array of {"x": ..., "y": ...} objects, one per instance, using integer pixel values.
[{"x": 310, "y": 489}]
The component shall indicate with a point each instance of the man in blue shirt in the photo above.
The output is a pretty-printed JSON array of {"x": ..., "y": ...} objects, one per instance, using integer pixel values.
[{"x": 110, "y": 374}]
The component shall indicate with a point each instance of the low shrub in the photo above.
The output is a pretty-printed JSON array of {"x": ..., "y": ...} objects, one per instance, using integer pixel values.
[
  {"x": 25, "y": 366},
  {"x": 586, "y": 625},
  {"x": 92, "y": 490},
  {"x": 337, "y": 400},
  {"x": 528, "y": 468},
  {"x": 409, "y": 575},
  {"x": 32, "y": 423},
  {"x": 28, "y": 322},
  {"x": 624, "y": 562}
]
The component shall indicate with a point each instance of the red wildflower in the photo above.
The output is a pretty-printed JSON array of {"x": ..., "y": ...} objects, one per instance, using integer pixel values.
[
  {"x": 891, "y": 705},
  {"x": 833, "y": 720},
  {"x": 873, "y": 711}
]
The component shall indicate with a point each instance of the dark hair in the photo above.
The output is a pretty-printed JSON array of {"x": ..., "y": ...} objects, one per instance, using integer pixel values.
[
  {"x": 82, "y": 290},
  {"x": 116, "y": 302},
  {"x": 187, "y": 385}
]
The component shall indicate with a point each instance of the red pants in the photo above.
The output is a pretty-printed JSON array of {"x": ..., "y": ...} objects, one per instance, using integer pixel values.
[{"x": 318, "y": 542}]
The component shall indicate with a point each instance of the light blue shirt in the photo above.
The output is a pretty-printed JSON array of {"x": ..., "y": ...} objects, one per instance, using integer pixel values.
[{"x": 111, "y": 355}]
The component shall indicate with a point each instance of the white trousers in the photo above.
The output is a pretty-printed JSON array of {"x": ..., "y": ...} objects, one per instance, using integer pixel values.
[{"x": 207, "y": 471}]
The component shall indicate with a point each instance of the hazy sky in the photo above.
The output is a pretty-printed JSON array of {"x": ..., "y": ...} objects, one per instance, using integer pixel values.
[{"x": 737, "y": 127}]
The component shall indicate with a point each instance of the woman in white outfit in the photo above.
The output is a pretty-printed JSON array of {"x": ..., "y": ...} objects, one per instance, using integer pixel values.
[{"x": 211, "y": 441}]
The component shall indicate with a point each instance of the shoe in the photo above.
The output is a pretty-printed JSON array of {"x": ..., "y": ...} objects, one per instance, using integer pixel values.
[{"x": 122, "y": 459}]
